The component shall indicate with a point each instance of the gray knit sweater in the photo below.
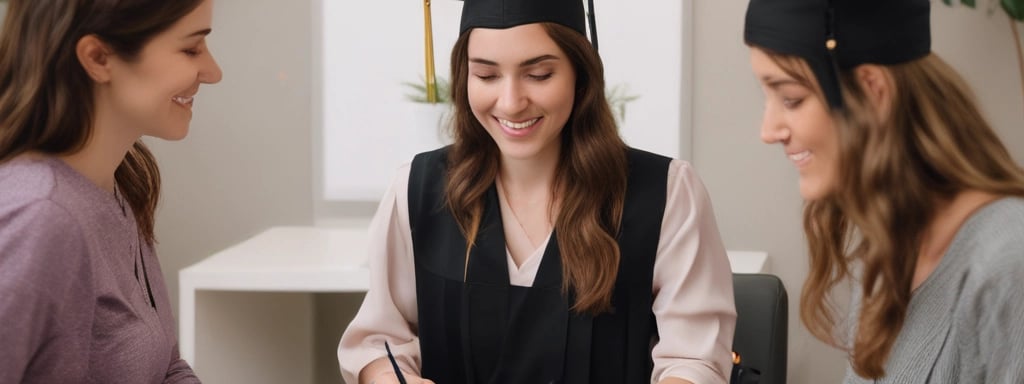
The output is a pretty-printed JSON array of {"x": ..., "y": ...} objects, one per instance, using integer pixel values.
[
  {"x": 74, "y": 303},
  {"x": 965, "y": 323}
]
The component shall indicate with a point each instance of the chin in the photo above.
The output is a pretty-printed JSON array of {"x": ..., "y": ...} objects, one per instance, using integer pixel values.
[
  {"x": 811, "y": 191},
  {"x": 176, "y": 135},
  {"x": 518, "y": 152}
]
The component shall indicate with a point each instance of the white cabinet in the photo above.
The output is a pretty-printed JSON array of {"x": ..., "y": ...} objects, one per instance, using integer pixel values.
[{"x": 277, "y": 343}]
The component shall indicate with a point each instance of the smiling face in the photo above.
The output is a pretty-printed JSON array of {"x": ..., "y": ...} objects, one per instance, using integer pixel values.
[
  {"x": 521, "y": 88},
  {"x": 152, "y": 93},
  {"x": 796, "y": 116}
]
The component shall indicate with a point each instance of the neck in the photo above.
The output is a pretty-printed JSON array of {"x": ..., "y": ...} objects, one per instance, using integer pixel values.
[
  {"x": 950, "y": 215},
  {"x": 521, "y": 175},
  {"x": 103, "y": 152}
]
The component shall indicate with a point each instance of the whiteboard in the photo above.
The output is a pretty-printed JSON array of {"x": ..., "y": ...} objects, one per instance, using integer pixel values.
[{"x": 369, "y": 48}]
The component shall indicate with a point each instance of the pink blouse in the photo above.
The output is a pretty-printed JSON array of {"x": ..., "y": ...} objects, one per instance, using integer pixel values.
[{"x": 693, "y": 298}]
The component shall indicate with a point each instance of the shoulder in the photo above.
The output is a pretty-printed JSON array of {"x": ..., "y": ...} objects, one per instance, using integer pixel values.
[
  {"x": 994, "y": 238},
  {"x": 437, "y": 156},
  {"x": 639, "y": 155},
  {"x": 991, "y": 247},
  {"x": 31, "y": 201},
  {"x": 675, "y": 170},
  {"x": 39, "y": 222},
  {"x": 24, "y": 181},
  {"x": 41, "y": 240}
]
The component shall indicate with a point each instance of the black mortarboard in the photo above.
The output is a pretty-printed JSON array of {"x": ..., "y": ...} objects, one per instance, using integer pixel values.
[
  {"x": 501, "y": 14},
  {"x": 836, "y": 35}
]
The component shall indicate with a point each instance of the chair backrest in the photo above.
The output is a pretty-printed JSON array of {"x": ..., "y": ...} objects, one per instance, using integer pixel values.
[{"x": 762, "y": 325}]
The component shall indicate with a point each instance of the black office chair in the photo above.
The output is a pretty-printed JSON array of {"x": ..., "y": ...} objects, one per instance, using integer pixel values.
[{"x": 762, "y": 324}]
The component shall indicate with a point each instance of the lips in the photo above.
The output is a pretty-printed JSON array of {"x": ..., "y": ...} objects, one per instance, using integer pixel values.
[
  {"x": 185, "y": 101},
  {"x": 799, "y": 156},
  {"x": 518, "y": 125}
]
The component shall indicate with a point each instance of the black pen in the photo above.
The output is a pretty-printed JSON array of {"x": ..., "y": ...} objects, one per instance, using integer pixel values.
[{"x": 394, "y": 364}]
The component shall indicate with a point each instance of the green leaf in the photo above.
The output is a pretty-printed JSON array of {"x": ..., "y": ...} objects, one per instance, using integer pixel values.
[
  {"x": 419, "y": 90},
  {"x": 969, "y": 3},
  {"x": 948, "y": 2},
  {"x": 1014, "y": 8}
]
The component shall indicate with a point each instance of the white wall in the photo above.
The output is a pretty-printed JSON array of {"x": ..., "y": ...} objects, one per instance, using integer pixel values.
[{"x": 247, "y": 163}]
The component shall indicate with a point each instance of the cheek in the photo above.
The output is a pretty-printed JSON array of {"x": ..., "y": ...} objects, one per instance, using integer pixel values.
[
  {"x": 474, "y": 92},
  {"x": 480, "y": 99},
  {"x": 823, "y": 131},
  {"x": 560, "y": 98}
]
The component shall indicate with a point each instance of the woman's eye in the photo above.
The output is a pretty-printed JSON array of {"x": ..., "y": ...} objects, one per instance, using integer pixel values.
[
  {"x": 540, "y": 77},
  {"x": 791, "y": 103}
]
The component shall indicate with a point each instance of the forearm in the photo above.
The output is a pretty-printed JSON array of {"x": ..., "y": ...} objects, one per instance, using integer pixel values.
[{"x": 674, "y": 380}]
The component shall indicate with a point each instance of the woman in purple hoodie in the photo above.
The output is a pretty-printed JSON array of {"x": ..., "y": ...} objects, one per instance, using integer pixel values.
[{"x": 82, "y": 297}]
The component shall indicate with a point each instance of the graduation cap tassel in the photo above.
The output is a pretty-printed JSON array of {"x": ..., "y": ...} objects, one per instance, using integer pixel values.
[
  {"x": 831, "y": 44},
  {"x": 593, "y": 23},
  {"x": 429, "y": 54}
]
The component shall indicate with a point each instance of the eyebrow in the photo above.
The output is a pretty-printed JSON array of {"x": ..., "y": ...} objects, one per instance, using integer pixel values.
[
  {"x": 525, "y": 63},
  {"x": 775, "y": 83},
  {"x": 201, "y": 32}
]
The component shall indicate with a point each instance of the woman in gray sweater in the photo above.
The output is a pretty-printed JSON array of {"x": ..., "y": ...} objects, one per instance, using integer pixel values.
[
  {"x": 82, "y": 297},
  {"x": 909, "y": 191}
]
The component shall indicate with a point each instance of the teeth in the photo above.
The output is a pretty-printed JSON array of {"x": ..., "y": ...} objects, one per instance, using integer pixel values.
[
  {"x": 800, "y": 155},
  {"x": 518, "y": 125},
  {"x": 183, "y": 100}
]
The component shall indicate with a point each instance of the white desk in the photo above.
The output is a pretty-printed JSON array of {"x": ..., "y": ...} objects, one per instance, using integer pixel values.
[{"x": 305, "y": 259}]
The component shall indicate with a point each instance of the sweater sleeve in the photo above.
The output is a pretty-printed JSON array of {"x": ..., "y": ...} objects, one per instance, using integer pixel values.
[
  {"x": 999, "y": 305},
  {"x": 44, "y": 271}
]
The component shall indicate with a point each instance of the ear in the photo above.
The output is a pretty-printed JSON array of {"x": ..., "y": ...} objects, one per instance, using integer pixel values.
[
  {"x": 94, "y": 55},
  {"x": 876, "y": 82}
]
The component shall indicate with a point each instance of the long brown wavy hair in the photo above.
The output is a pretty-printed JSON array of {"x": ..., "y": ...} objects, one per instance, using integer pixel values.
[
  {"x": 590, "y": 179},
  {"x": 934, "y": 144},
  {"x": 46, "y": 97}
]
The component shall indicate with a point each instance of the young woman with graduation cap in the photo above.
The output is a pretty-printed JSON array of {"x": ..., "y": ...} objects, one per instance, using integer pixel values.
[
  {"x": 539, "y": 248},
  {"x": 909, "y": 192}
]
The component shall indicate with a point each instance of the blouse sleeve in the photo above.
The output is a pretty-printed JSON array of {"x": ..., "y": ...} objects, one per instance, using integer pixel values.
[
  {"x": 388, "y": 311},
  {"x": 45, "y": 288},
  {"x": 693, "y": 297}
]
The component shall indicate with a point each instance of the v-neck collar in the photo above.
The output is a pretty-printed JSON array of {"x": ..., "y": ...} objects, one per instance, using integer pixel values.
[{"x": 518, "y": 245}]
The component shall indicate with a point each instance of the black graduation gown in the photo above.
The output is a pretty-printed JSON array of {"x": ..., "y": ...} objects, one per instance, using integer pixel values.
[{"x": 481, "y": 329}]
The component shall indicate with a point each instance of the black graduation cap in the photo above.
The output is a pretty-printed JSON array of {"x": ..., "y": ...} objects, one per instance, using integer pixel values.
[
  {"x": 836, "y": 35},
  {"x": 501, "y": 14}
]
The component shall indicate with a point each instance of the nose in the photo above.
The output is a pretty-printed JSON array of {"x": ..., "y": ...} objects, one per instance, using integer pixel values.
[
  {"x": 512, "y": 99},
  {"x": 773, "y": 127},
  {"x": 209, "y": 71}
]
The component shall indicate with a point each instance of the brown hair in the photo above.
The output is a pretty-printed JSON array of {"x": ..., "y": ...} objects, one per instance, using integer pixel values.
[
  {"x": 934, "y": 144},
  {"x": 46, "y": 99},
  {"x": 590, "y": 179}
]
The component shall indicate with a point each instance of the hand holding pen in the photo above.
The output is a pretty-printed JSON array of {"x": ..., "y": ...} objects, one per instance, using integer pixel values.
[{"x": 396, "y": 376}]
